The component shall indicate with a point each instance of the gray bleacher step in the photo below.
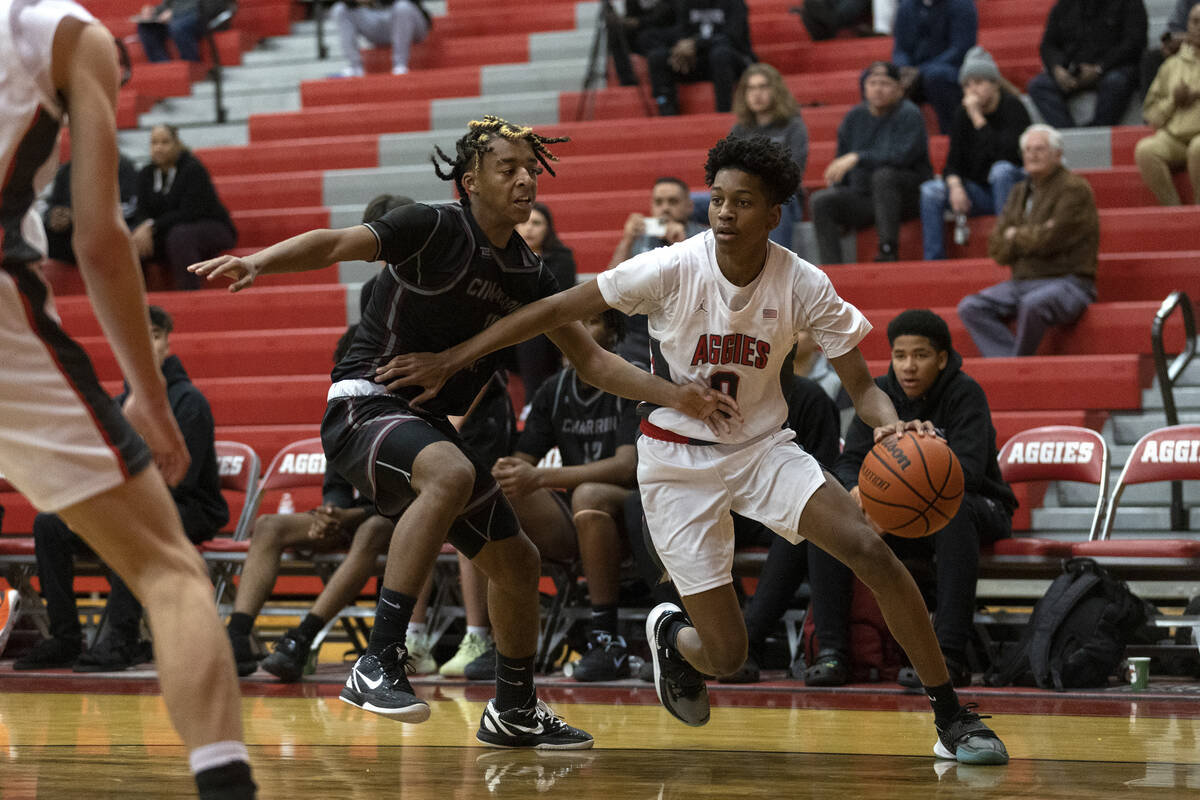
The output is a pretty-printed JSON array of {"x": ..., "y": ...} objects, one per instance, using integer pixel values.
[
  {"x": 552, "y": 45},
  {"x": 530, "y": 108},
  {"x": 136, "y": 143},
  {"x": 403, "y": 149},
  {"x": 562, "y": 75},
  {"x": 1138, "y": 494},
  {"x": 586, "y": 15},
  {"x": 1129, "y": 518},
  {"x": 1186, "y": 398},
  {"x": 1127, "y": 429},
  {"x": 1191, "y": 375},
  {"x": 238, "y": 107},
  {"x": 284, "y": 76},
  {"x": 1088, "y": 148},
  {"x": 353, "y": 188}
]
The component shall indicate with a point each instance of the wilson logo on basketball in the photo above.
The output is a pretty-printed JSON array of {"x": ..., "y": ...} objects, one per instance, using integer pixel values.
[
  {"x": 1172, "y": 451},
  {"x": 1052, "y": 453},
  {"x": 303, "y": 464},
  {"x": 897, "y": 452}
]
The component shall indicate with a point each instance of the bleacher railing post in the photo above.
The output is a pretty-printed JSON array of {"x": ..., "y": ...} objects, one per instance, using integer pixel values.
[{"x": 1168, "y": 374}]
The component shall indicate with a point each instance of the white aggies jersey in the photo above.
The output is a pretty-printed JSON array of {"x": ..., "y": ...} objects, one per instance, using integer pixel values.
[
  {"x": 30, "y": 114},
  {"x": 696, "y": 336}
]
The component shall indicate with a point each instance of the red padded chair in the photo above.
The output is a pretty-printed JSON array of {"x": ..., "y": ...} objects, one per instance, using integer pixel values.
[
  {"x": 1166, "y": 454},
  {"x": 1053, "y": 453}
]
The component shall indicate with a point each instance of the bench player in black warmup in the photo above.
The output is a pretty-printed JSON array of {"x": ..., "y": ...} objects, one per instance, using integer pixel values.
[
  {"x": 452, "y": 270},
  {"x": 594, "y": 432}
]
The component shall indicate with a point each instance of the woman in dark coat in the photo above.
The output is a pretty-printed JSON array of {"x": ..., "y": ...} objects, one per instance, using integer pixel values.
[{"x": 185, "y": 221}]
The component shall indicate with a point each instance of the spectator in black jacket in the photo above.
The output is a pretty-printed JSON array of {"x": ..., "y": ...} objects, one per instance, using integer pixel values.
[
  {"x": 925, "y": 381},
  {"x": 1090, "y": 44},
  {"x": 625, "y": 28},
  {"x": 983, "y": 164},
  {"x": 932, "y": 38},
  {"x": 882, "y": 158},
  {"x": 59, "y": 220},
  {"x": 705, "y": 40},
  {"x": 201, "y": 507},
  {"x": 183, "y": 219}
]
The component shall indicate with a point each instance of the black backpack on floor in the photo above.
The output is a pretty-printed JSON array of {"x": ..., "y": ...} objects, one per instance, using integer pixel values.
[{"x": 1077, "y": 634}]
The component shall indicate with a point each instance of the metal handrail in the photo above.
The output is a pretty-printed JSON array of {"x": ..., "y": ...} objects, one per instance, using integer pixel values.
[
  {"x": 1168, "y": 374},
  {"x": 218, "y": 23}
]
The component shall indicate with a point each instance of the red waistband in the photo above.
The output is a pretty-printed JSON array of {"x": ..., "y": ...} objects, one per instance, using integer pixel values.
[{"x": 648, "y": 428}]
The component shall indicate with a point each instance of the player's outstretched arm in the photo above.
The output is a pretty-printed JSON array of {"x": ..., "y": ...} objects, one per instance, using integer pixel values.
[
  {"x": 432, "y": 370},
  {"x": 307, "y": 251},
  {"x": 608, "y": 371},
  {"x": 558, "y": 316},
  {"x": 870, "y": 402},
  {"x": 84, "y": 68}
]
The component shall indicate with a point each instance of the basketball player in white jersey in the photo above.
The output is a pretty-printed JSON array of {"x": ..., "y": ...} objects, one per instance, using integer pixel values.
[
  {"x": 724, "y": 309},
  {"x": 63, "y": 442}
]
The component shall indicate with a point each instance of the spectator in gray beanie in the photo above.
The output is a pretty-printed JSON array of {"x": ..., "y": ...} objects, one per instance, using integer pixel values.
[{"x": 983, "y": 163}]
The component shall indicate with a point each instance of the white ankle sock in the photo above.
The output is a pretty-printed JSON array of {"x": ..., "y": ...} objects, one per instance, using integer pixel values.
[
  {"x": 217, "y": 754},
  {"x": 482, "y": 631}
]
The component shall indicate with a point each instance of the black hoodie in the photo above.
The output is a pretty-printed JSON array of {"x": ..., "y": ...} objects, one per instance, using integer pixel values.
[
  {"x": 198, "y": 496},
  {"x": 958, "y": 407}
]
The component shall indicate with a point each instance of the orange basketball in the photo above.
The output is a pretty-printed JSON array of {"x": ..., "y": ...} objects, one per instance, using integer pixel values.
[{"x": 911, "y": 486}]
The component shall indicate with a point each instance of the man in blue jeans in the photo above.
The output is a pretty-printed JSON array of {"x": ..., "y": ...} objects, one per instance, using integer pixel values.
[
  {"x": 183, "y": 21},
  {"x": 982, "y": 165},
  {"x": 931, "y": 39}
]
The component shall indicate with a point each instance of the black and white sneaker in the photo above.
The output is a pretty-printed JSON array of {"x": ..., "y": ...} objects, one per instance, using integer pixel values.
[
  {"x": 680, "y": 686},
  {"x": 538, "y": 728},
  {"x": 969, "y": 741},
  {"x": 606, "y": 659},
  {"x": 289, "y": 657},
  {"x": 379, "y": 684}
]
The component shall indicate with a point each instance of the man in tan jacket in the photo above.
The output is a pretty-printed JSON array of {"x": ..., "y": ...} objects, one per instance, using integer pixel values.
[
  {"x": 1172, "y": 108},
  {"x": 1049, "y": 234}
]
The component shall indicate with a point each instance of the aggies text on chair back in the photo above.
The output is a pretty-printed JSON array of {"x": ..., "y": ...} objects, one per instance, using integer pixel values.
[
  {"x": 1059, "y": 453},
  {"x": 238, "y": 467},
  {"x": 298, "y": 466},
  {"x": 1165, "y": 454}
]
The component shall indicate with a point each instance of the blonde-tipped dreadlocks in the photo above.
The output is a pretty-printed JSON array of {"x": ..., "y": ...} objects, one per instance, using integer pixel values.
[{"x": 477, "y": 140}]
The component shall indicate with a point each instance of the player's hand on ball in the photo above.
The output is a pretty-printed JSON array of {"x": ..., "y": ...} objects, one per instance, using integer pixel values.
[
  {"x": 241, "y": 271},
  {"x": 430, "y": 371},
  {"x": 899, "y": 428}
]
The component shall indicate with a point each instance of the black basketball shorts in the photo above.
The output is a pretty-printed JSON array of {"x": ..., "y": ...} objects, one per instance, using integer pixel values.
[{"x": 374, "y": 440}]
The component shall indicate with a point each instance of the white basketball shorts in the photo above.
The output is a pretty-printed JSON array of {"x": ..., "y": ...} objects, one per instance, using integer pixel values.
[{"x": 688, "y": 491}]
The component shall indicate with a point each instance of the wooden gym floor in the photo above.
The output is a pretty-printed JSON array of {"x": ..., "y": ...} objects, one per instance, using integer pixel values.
[{"x": 69, "y": 736}]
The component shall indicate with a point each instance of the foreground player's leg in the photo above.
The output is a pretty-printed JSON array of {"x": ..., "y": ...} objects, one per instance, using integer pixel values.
[
  {"x": 443, "y": 479},
  {"x": 195, "y": 665},
  {"x": 833, "y": 522},
  {"x": 515, "y": 717},
  {"x": 709, "y": 640}
]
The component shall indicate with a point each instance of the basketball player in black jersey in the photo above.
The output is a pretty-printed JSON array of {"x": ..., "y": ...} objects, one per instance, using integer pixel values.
[{"x": 452, "y": 270}]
